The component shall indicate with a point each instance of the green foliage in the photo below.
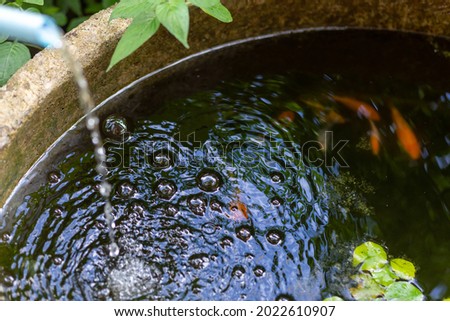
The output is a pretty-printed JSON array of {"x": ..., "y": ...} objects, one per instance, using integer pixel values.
[
  {"x": 147, "y": 15},
  {"x": 379, "y": 279}
]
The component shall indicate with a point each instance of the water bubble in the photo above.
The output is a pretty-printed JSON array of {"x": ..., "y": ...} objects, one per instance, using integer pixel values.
[
  {"x": 216, "y": 206},
  {"x": 197, "y": 205},
  {"x": 209, "y": 180},
  {"x": 6, "y": 237},
  {"x": 284, "y": 297},
  {"x": 277, "y": 177},
  {"x": 199, "y": 261},
  {"x": 226, "y": 242},
  {"x": 238, "y": 272},
  {"x": 115, "y": 127},
  {"x": 166, "y": 189},
  {"x": 171, "y": 210},
  {"x": 137, "y": 208},
  {"x": 276, "y": 201},
  {"x": 244, "y": 233},
  {"x": 259, "y": 271},
  {"x": 209, "y": 228},
  {"x": 114, "y": 250},
  {"x": 274, "y": 237},
  {"x": 162, "y": 159},
  {"x": 53, "y": 177},
  {"x": 126, "y": 190},
  {"x": 58, "y": 260},
  {"x": 249, "y": 257}
]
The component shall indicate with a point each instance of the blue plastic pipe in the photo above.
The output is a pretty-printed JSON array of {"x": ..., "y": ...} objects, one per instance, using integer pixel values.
[{"x": 30, "y": 27}]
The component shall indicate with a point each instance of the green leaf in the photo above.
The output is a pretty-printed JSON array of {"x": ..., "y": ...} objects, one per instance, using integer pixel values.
[
  {"x": 174, "y": 15},
  {"x": 403, "y": 291},
  {"x": 220, "y": 12},
  {"x": 204, "y": 3},
  {"x": 108, "y": 3},
  {"x": 3, "y": 38},
  {"x": 36, "y": 2},
  {"x": 130, "y": 9},
  {"x": 13, "y": 55},
  {"x": 60, "y": 18},
  {"x": 333, "y": 298},
  {"x": 372, "y": 255},
  {"x": 384, "y": 276},
  {"x": 367, "y": 288},
  {"x": 33, "y": 9},
  {"x": 75, "y": 6},
  {"x": 140, "y": 30},
  {"x": 404, "y": 269}
]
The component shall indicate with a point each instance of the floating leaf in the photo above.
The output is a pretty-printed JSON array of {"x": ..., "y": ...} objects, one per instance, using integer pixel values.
[
  {"x": 174, "y": 15},
  {"x": 132, "y": 8},
  {"x": 37, "y": 2},
  {"x": 140, "y": 30},
  {"x": 13, "y": 55},
  {"x": 333, "y": 298},
  {"x": 404, "y": 269},
  {"x": 220, "y": 12},
  {"x": 403, "y": 291},
  {"x": 367, "y": 288},
  {"x": 372, "y": 255},
  {"x": 384, "y": 276}
]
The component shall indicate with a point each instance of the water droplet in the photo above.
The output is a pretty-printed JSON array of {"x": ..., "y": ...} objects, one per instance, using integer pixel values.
[
  {"x": 238, "y": 272},
  {"x": 126, "y": 190},
  {"x": 115, "y": 127},
  {"x": 8, "y": 280},
  {"x": 276, "y": 201},
  {"x": 244, "y": 233},
  {"x": 274, "y": 237},
  {"x": 166, "y": 189},
  {"x": 249, "y": 256},
  {"x": 277, "y": 177},
  {"x": 162, "y": 159},
  {"x": 57, "y": 211},
  {"x": 53, "y": 177},
  {"x": 259, "y": 271},
  {"x": 114, "y": 250},
  {"x": 209, "y": 180},
  {"x": 6, "y": 237},
  {"x": 199, "y": 261},
  {"x": 197, "y": 205},
  {"x": 226, "y": 242},
  {"x": 215, "y": 206},
  {"x": 58, "y": 260}
]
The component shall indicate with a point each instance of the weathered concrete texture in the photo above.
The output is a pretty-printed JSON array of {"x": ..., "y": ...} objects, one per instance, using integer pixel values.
[{"x": 40, "y": 102}]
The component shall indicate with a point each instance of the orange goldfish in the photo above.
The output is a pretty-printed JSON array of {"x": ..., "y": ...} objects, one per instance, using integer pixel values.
[
  {"x": 359, "y": 107},
  {"x": 238, "y": 210},
  {"x": 375, "y": 138},
  {"x": 405, "y": 135},
  {"x": 334, "y": 118},
  {"x": 287, "y": 116}
]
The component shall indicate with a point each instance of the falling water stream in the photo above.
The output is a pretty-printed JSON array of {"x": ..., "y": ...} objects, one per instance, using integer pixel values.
[{"x": 92, "y": 124}]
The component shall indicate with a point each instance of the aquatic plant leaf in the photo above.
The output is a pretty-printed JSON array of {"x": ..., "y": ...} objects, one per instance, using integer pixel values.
[
  {"x": 404, "y": 269},
  {"x": 367, "y": 289},
  {"x": 333, "y": 298},
  {"x": 141, "y": 29},
  {"x": 3, "y": 38},
  {"x": 372, "y": 255},
  {"x": 403, "y": 291},
  {"x": 174, "y": 15},
  {"x": 37, "y": 2},
  {"x": 384, "y": 276},
  {"x": 220, "y": 12},
  {"x": 13, "y": 55},
  {"x": 131, "y": 9}
]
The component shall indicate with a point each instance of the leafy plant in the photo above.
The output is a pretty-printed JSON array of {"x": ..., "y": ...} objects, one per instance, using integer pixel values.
[
  {"x": 381, "y": 279},
  {"x": 148, "y": 15}
]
